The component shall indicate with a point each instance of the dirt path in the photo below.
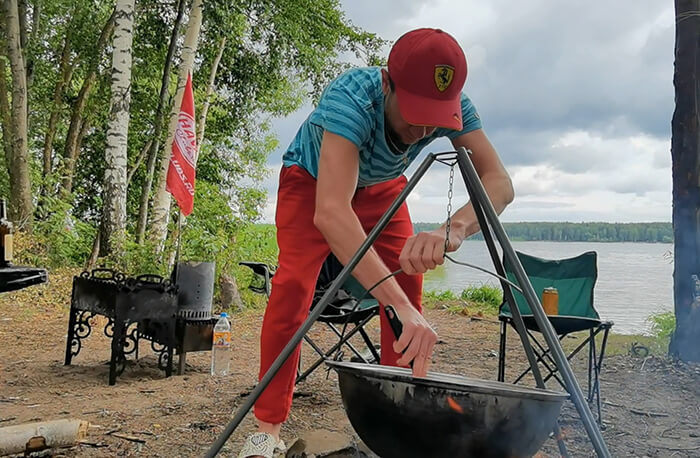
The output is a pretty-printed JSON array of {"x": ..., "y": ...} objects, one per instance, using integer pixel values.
[{"x": 651, "y": 406}]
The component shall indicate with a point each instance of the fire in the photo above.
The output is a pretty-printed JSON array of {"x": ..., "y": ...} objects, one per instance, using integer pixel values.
[{"x": 453, "y": 405}]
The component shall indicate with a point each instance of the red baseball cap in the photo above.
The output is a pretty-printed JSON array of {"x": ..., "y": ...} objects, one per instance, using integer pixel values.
[{"x": 429, "y": 69}]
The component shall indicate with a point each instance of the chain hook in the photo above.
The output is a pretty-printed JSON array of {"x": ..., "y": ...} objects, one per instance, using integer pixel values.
[{"x": 448, "y": 223}]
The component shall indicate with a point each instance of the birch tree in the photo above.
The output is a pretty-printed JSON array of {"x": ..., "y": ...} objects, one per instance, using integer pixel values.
[
  {"x": 114, "y": 211},
  {"x": 161, "y": 199},
  {"x": 21, "y": 207},
  {"x": 154, "y": 146}
]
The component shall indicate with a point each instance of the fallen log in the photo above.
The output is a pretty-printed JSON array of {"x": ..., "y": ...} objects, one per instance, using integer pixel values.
[{"x": 37, "y": 436}]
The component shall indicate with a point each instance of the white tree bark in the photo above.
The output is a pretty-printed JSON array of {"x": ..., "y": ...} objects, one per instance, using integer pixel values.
[
  {"x": 161, "y": 199},
  {"x": 21, "y": 207},
  {"x": 114, "y": 211}
]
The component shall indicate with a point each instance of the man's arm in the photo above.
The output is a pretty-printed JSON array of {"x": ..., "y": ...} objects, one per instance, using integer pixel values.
[
  {"x": 425, "y": 250},
  {"x": 335, "y": 218}
]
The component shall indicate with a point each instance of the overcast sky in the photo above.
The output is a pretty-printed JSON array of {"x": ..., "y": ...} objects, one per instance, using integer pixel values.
[{"x": 576, "y": 96}]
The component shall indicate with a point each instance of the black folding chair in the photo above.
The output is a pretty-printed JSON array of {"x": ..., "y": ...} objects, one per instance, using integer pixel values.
[
  {"x": 343, "y": 315},
  {"x": 574, "y": 278}
]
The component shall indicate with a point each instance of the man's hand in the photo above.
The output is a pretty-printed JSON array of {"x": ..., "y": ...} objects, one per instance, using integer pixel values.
[
  {"x": 426, "y": 250},
  {"x": 416, "y": 341}
]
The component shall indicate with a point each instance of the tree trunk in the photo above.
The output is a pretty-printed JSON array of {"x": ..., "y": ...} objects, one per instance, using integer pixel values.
[
  {"x": 21, "y": 207},
  {"x": 137, "y": 163},
  {"x": 158, "y": 127},
  {"x": 84, "y": 126},
  {"x": 230, "y": 297},
  {"x": 161, "y": 200},
  {"x": 210, "y": 92},
  {"x": 5, "y": 113},
  {"x": 685, "y": 152},
  {"x": 94, "y": 253},
  {"x": 70, "y": 152},
  {"x": 26, "y": 39},
  {"x": 65, "y": 71},
  {"x": 114, "y": 211}
]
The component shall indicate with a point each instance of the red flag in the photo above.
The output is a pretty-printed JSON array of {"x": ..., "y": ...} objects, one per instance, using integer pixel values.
[{"x": 183, "y": 158}]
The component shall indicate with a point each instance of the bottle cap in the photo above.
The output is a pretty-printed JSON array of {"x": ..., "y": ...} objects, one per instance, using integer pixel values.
[{"x": 223, "y": 315}]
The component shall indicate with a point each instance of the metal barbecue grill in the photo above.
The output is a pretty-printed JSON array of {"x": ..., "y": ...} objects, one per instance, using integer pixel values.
[{"x": 176, "y": 319}]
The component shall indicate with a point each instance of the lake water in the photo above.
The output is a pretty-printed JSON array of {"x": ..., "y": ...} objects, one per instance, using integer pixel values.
[{"x": 634, "y": 279}]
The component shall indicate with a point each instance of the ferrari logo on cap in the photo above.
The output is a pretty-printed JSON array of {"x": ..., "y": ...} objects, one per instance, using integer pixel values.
[{"x": 443, "y": 76}]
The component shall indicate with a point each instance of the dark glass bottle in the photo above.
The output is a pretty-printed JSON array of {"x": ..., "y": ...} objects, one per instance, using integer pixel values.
[{"x": 5, "y": 237}]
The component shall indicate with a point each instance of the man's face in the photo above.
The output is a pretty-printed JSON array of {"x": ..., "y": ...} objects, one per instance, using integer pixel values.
[{"x": 407, "y": 133}]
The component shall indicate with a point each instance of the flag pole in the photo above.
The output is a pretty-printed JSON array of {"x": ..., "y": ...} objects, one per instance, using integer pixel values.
[{"x": 176, "y": 270}]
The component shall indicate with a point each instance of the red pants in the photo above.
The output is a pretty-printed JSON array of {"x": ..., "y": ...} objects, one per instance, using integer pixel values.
[{"x": 302, "y": 251}]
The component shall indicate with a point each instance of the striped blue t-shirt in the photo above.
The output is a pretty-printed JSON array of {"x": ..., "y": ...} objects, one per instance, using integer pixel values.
[{"x": 352, "y": 106}]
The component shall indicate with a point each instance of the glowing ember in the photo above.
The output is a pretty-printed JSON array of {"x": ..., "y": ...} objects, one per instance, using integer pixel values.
[{"x": 453, "y": 405}]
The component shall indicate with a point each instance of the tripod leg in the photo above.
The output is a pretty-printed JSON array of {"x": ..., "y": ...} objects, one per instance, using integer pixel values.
[
  {"x": 319, "y": 308},
  {"x": 478, "y": 195}
]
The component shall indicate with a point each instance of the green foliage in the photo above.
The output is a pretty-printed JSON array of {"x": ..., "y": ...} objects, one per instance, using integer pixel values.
[
  {"x": 137, "y": 259},
  {"x": 278, "y": 54},
  {"x": 483, "y": 300},
  {"x": 579, "y": 232},
  {"x": 487, "y": 295},
  {"x": 663, "y": 324},
  {"x": 59, "y": 238}
]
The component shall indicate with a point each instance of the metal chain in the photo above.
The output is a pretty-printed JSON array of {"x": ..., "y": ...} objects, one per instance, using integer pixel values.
[{"x": 448, "y": 223}]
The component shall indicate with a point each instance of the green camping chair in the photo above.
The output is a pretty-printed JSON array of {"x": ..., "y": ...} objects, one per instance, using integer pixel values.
[
  {"x": 343, "y": 315},
  {"x": 574, "y": 278}
]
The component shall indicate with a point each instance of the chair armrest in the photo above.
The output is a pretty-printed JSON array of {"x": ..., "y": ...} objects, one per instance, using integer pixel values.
[
  {"x": 264, "y": 272},
  {"x": 258, "y": 268}
]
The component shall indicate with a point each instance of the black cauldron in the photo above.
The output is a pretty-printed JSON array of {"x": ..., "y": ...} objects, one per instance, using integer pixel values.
[{"x": 399, "y": 416}]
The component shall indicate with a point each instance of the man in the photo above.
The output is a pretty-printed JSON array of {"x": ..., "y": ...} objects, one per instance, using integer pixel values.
[{"x": 340, "y": 174}]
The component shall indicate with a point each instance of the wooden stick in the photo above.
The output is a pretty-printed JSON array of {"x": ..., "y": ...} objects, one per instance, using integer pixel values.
[
  {"x": 649, "y": 414},
  {"x": 129, "y": 438},
  {"x": 32, "y": 437}
]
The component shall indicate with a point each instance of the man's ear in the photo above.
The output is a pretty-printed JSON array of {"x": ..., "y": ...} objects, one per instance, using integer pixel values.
[{"x": 386, "y": 87}]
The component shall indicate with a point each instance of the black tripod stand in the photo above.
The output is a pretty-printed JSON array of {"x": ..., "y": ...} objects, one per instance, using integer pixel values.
[{"x": 492, "y": 230}]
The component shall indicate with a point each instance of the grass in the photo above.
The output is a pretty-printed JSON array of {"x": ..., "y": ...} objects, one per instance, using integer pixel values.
[{"x": 483, "y": 300}]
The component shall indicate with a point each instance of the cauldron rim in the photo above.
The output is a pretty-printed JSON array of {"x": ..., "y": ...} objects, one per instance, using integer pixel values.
[{"x": 450, "y": 382}]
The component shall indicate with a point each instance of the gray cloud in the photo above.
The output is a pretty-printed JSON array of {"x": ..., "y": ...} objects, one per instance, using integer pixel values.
[
  {"x": 576, "y": 66},
  {"x": 576, "y": 96}
]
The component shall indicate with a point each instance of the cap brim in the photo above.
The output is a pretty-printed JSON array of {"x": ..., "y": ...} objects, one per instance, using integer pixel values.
[{"x": 424, "y": 111}]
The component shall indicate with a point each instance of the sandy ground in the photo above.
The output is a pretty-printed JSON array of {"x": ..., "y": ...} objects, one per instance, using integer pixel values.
[{"x": 651, "y": 406}]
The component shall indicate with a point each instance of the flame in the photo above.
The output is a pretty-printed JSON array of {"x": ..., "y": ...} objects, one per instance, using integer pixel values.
[{"x": 453, "y": 405}]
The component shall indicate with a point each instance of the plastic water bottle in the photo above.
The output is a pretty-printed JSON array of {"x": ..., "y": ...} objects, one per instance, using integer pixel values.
[{"x": 221, "y": 346}]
